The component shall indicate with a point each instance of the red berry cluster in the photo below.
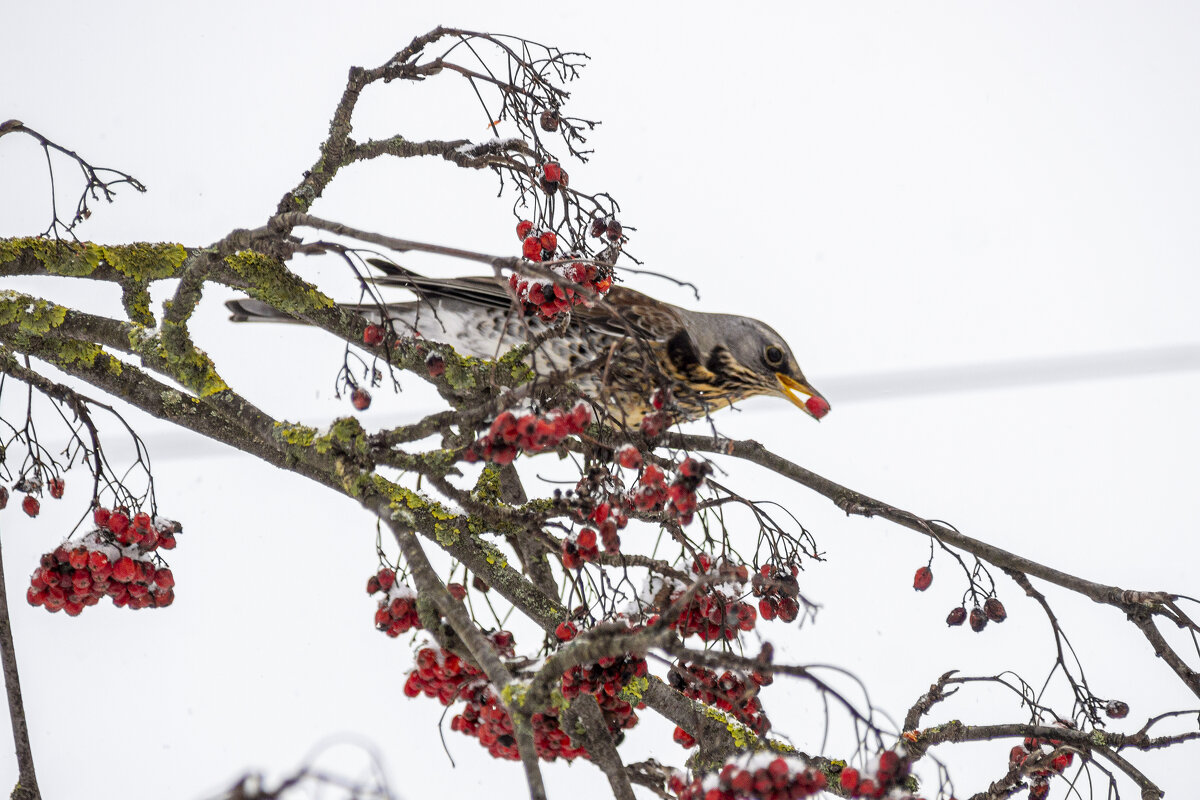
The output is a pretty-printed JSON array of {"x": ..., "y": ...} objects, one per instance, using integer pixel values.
[
  {"x": 1051, "y": 750},
  {"x": 31, "y": 505},
  {"x": 890, "y": 770},
  {"x": 445, "y": 676},
  {"x": 73, "y": 577},
  {"x": 442, "y": 674},
  {"x": 653, "y": 493},
  {"x": 763, "y": 777},
  {"x": 716, "y": 611},
  {"x": 727, "y": 692},
  {"x": 778, "y": 592},
  {"x": 547, "y": 299},
  {"x": 582, "y": 546},
  {"x": 655, "y": 422},
  {"x": 992, "y": 610},
  {"x": 397, "y": 611},
  {"x": 682, "y": 492},
  {"x": 487, "y": 720},
  {"x": 531, "y": 433},
  {"x": 607, "y": 226},
  {"x": 604, "y": 680},
  {"x": 140, "y": 530}
]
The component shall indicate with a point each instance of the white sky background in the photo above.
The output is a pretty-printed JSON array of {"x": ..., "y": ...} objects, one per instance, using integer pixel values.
[{"x": 890, "y": 187}]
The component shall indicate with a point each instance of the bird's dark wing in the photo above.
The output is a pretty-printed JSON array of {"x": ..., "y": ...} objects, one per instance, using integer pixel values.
[
  {"x": 484, "y": 290},
  {"x": 624, "y": 312}
]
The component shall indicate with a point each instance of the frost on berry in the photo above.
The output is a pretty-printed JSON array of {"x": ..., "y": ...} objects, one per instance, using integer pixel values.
[{"x": 1116, "y": 709}]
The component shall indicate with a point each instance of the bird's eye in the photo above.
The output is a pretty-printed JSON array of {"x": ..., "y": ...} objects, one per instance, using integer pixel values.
[{"x": 774, "y": 356}]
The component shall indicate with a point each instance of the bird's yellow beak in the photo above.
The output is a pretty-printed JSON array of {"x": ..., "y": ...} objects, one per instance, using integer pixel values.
[{"x": 808, "y": 399}]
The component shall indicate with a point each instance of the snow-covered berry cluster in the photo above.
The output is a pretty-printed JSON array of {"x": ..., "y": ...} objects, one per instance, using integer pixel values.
[
  {"x": 116, "y": 559},
  {"x": 445, "y": 676},
  {"x": 653, "y": 492},
  {"x": 442, "y": 674},
  {"x": 716, "y": 611},
  {"x": 509, "y": 434},
  {"x": 605, "y": 680},
  {"x": 889, "y": 770},
  {"x": 763, "y": 776},
  {"x": 487, "y": 720},
  {"x": 727, "y": 692},
  {"x": 778, "y": 592},
  {"x": 140, "y": 530},
  {"x": 397, "y": 611},
  {"x": 545, "y": 298}
]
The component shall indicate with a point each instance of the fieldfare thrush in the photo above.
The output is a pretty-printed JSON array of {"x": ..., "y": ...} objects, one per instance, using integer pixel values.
[{"x": 618, "y": 351}]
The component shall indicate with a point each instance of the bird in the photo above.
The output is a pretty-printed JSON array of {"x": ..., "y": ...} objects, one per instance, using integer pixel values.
[{"x": 637, "y": 356}]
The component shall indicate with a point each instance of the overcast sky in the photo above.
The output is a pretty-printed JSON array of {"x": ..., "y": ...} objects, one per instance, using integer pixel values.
[{"x": 901, "y": 190}]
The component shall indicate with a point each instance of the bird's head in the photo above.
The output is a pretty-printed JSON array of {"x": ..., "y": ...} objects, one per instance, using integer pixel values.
[{"x": 757, "y": 358}]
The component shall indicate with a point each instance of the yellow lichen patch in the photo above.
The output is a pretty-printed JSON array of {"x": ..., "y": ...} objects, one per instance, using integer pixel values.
[
  {"x": 31, "y": 314},
  {"x": 633, "y": 691},
  {"x": 271, "y": 282},
  {"x": 300, "y": 435},
  {"x": 188, "y": 364},
  {"x": 146, "y": 262}
]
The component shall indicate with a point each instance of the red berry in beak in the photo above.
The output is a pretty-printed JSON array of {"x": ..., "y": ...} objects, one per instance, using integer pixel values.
[{"x": 817, "y": 406}]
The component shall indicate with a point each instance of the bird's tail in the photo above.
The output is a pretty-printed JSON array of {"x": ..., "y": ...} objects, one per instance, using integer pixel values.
[{"x": 248, "y": 310}]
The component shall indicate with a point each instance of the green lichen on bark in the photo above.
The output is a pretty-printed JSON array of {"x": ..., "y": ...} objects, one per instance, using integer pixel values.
[
  {"x": 144, "y": 262},
  {"x": 31, "y": 314},
  {"x": 135, "y": 299},
  {"x": 187, "y": 363},
  {"x": 298, "y": 435},
  {"x": 70, "y": 259},
  {"x": 271, "y": 282}
]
